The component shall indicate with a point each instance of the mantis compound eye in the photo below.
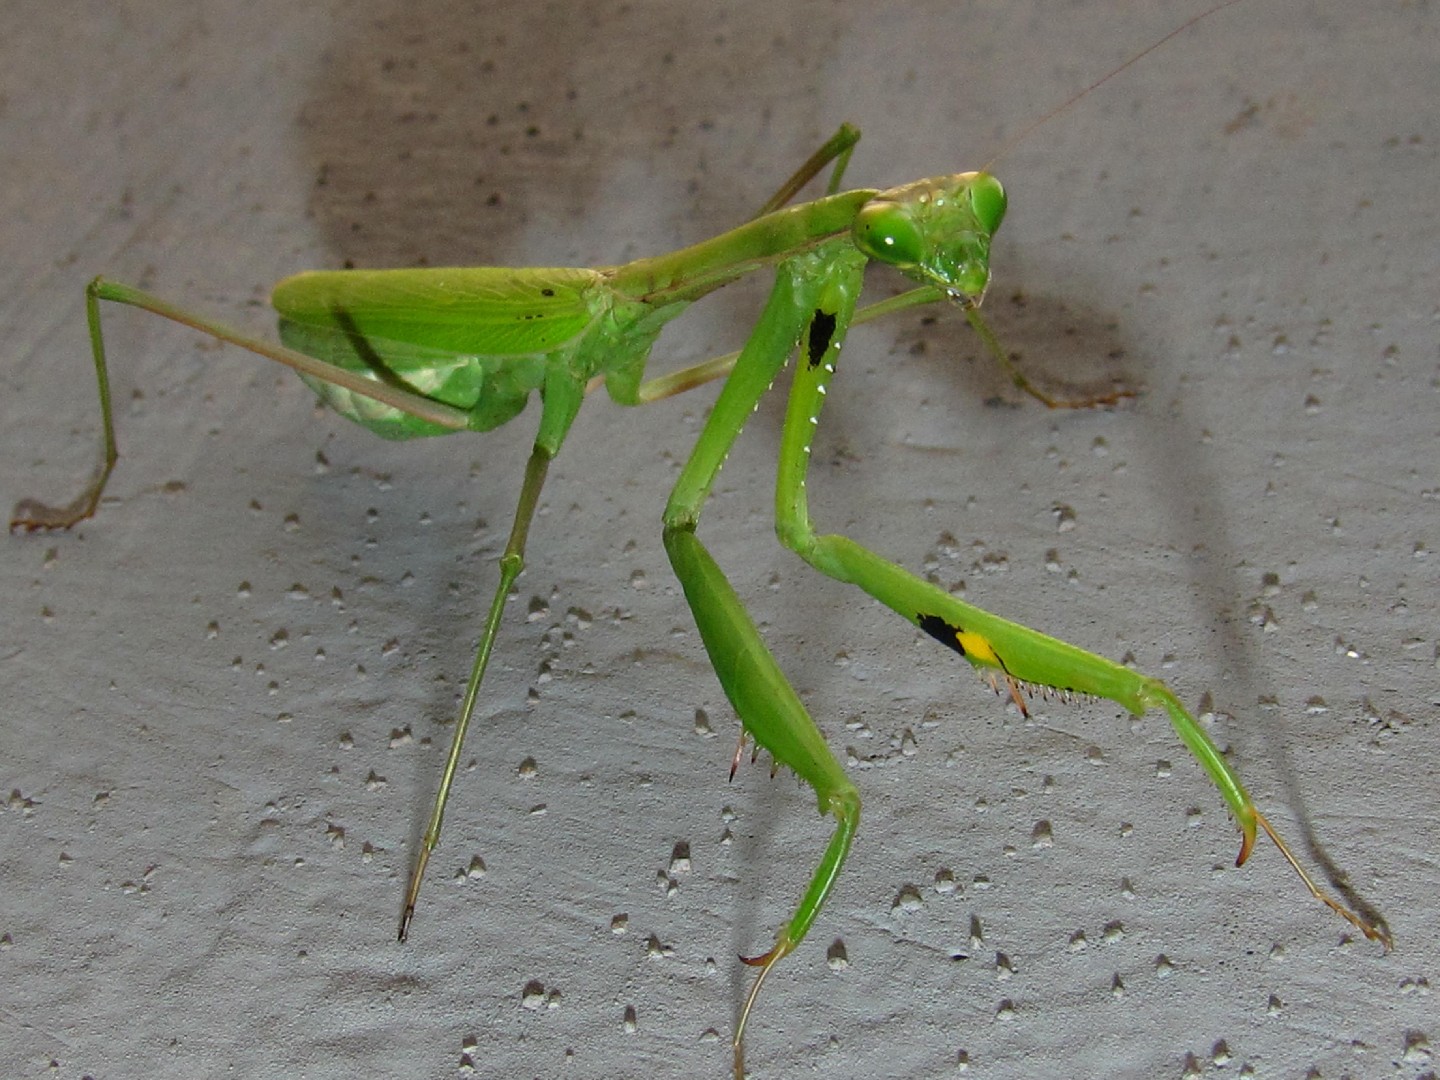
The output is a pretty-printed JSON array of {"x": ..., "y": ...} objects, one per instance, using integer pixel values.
[
  {"x": 887, "y": 232},
  {"x": 987, "y": 200}
]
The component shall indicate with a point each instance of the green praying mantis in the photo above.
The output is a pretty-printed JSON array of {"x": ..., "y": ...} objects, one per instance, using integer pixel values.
[{"x": 420, "y": 352}]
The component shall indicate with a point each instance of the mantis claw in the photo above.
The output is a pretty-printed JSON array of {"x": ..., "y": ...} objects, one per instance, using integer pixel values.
[
  {"x": 763, "y": 960},
  {"x": 739, "y": 753},
  {"x": 1015, "y": 696},
  {"x": 1247, "y": 842},
  {"x": 1012, "y": 687}
]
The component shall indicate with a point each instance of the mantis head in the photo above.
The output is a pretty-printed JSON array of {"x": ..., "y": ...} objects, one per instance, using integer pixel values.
[{"x": 936, "y": 231}]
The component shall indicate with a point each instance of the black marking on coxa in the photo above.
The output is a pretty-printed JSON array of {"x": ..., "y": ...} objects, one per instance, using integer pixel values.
[{"x": 822, "y": 331}]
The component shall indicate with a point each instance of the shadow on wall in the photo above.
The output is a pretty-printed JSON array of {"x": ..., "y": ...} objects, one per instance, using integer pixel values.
[{"x": 440, "y": 134}]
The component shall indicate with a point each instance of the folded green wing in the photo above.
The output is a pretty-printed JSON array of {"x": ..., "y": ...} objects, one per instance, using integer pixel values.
[{"x": 475, "y": 338}]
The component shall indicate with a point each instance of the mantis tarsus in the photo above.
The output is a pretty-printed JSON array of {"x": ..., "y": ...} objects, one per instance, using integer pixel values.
[{"x": 420, "y": 352}]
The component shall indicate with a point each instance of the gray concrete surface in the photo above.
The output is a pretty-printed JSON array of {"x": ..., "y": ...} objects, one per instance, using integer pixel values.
[{"x": 226, "y": 696}]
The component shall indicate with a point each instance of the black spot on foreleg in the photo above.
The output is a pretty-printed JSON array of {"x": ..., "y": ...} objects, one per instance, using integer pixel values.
[
  {"x": 943, "y": 632},
  {"x": 822, "y": 330}
]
